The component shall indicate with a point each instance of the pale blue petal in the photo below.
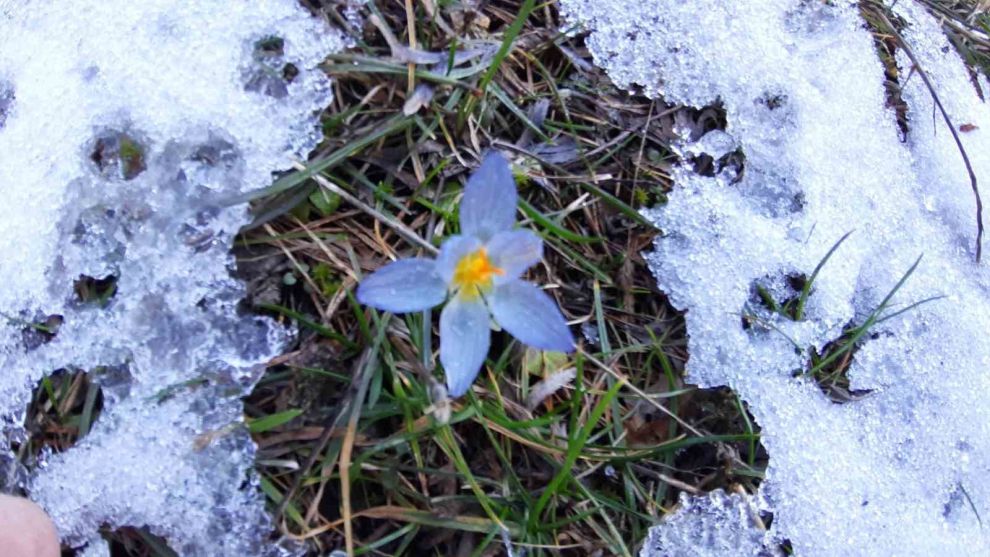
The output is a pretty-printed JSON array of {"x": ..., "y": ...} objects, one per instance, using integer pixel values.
[
  {"x": 464, "y": 340},
  {"x": 514, "y": 251},
  {"x": 452, "y": 251},
  {"x": 403, "y": 286},
  {"x": 531, "y": 316},
  {"x": 489, "y": 203}
]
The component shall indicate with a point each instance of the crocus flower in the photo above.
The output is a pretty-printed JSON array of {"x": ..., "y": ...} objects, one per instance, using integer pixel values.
[{"x": 478, "y": 273}]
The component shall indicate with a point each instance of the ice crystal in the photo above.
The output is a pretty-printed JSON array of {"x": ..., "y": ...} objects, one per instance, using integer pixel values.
[
  {"x": 129, "y": 134},
  {"x": 713, "y": 525}
]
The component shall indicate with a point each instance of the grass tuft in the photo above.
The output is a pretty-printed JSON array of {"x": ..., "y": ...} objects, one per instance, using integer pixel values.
[{"x": 357, "y": 449}]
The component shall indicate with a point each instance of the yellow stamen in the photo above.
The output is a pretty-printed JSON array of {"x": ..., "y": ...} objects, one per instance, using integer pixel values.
[{"x": 473, "y": 274}]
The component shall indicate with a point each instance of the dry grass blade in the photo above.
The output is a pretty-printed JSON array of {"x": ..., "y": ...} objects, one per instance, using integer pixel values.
[{"x": 348, "y": 446}]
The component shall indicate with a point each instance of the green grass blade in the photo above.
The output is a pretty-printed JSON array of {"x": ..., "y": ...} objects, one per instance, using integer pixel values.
[
  {"x": 395, "y": 124},
  {"x": 573, "y": 452},
  {"x": 261, "y": 425},
  {"x": 554, "y": 228},
  {"x": 806, "y": 290}
]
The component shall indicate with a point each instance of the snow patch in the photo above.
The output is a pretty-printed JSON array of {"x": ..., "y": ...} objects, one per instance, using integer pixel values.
[
  {"x": 901, "y": 471},
  {"x": 129, "y": 133}
]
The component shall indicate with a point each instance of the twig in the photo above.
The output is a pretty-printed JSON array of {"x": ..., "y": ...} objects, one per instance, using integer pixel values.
[{"x": 952, "y": 129}]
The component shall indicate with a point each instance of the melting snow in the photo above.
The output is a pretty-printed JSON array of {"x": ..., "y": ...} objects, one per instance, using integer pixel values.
[
  {"x": 713, "y": 524},
  {"x": 901, "y": 471},
  {"x": 127, "y": 133}
]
